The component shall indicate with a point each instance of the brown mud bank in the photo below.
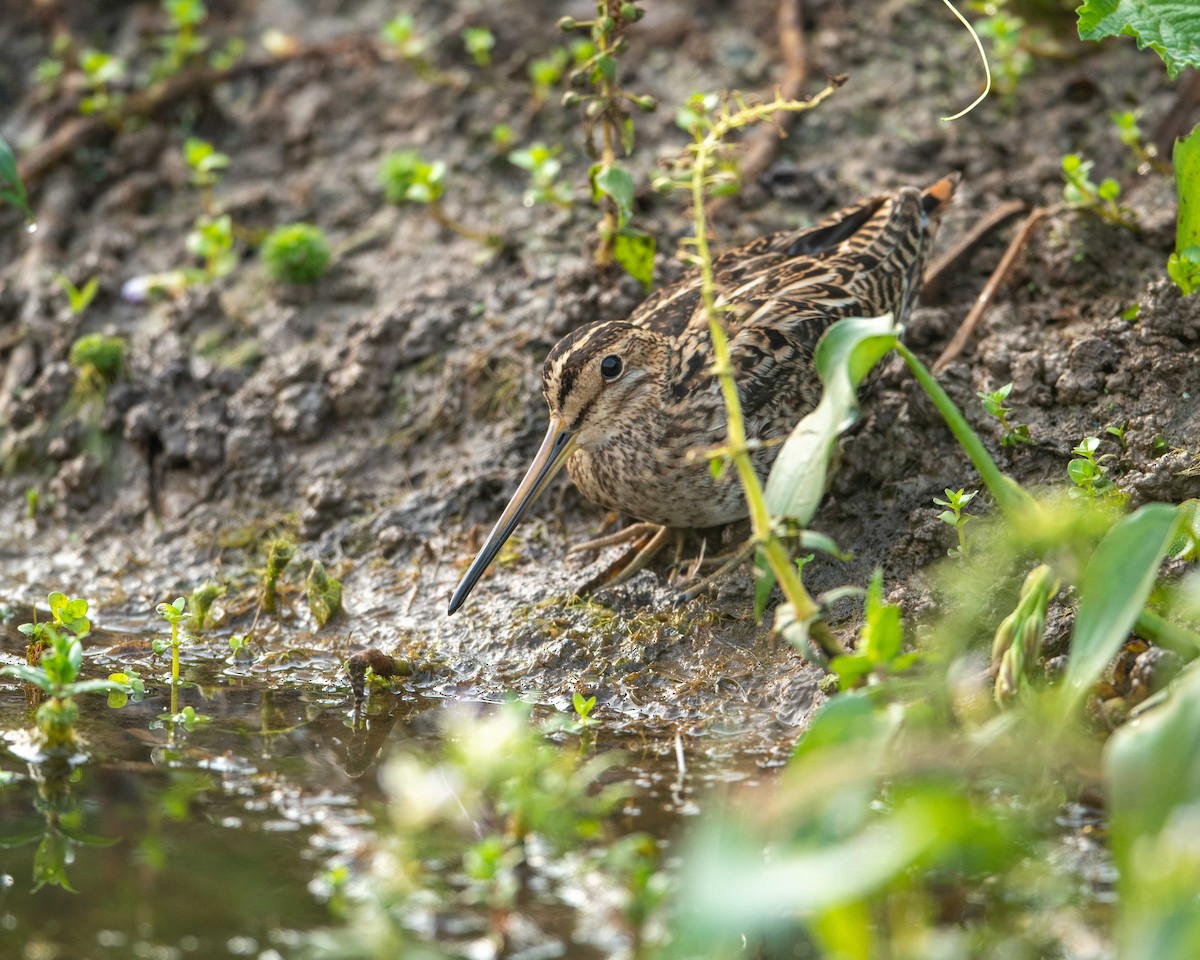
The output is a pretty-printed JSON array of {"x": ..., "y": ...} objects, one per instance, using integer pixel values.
[{"x": 383, "y": 415}]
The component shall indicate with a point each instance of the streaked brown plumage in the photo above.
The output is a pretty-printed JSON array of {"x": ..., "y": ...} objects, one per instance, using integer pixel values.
[{"x": 634, "y": 404}]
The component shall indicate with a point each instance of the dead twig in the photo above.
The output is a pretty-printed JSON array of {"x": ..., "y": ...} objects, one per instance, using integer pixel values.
[
  {"x": 936, "y": 275},
  {"x": 82, "y": 131},
  {"x": 990, "y": 289}
]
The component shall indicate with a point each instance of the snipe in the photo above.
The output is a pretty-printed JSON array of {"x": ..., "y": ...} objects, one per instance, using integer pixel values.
[{"x": 634, "y": 404}]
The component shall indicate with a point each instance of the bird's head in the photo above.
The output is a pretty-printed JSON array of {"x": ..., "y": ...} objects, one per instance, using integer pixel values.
[{"x": 599, "y": 383}]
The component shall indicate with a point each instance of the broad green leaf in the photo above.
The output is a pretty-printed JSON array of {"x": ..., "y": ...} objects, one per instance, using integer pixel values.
[
  {"x": 1113, "y": 590},
  {"x": 1152, "y": 766},
  {"x": 618, "y": 184},
  {"x": 844, "y": 356},
  {"x": 1186, "y": 160},
  {"x": 92, "y": 686},
  {"x": 29, "y": 674},
  {"x": 634, "y": 251},
  {"x": 848, "y": 720},
  {"x": 57, "y": 602},
  {"x": 882, "y": 635},
  {"x": 1171, "y": 28}
]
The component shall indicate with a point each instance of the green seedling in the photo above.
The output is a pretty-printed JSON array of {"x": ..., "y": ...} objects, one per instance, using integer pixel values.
[
  {"x": 502, "y": 137},
  {"x": 79, "y": 298},
  {"x": 994, "y": 404},
  {"x": 1088, "y": 472},
  {"x": 201, "y": 603},
  {"x": 183, "y": 44},
  {"x": 12, "y": 190},
  {"x": 212, "y": 241},
  {"x": 207, "y": 165},
  {"x": 1010, "y": 58},
  {"x": 229, "y": 55},
  {"x": 174, "y": 613},
  {"x": 50, "y": 70},
  {"x": 57, "y": 649},
  {"x": 1118, "y": 430},
  {"x": 880, "y": 644},
  {"x": 280, "y": 553},
  {"x": 407, "y": 178},
  {"x": 479, "y": 42},
  {"x": 1129, "y": 132},
  {"x": 33, "y": 499},
  {"x": 606, "y": 107},
  {"x": 296, "y": 253},
  {"x": 401, "y": 38},
  {"x": 239, "y": 647},
  {"x": 189, "y": 719},
  {"x": 583, "y": 708},
  {"x": 955, "y": 502},
  {"x": 130, "y": 685},
  {"x": 543, "y": 166},
  {"x": 1018, "y": 640},
  {"x": 324, "y": 594},
  {"x": 100, "y": 71},
  {"x": 1183, "y": 266},
  {"x": 1081, "y": 193},
  {"x": 99, "y": 361},
  {"x": 546, "y": 73}
]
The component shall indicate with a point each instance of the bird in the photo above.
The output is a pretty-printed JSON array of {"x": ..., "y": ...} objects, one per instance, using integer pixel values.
[{"x": 635, "y": 404}]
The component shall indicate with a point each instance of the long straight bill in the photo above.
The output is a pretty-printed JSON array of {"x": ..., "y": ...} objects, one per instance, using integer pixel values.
[{"x": 551, "y": 455}]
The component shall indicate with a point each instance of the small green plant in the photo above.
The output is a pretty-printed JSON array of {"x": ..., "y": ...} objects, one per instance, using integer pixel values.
[
  {"x": 130, "y": 685},
  {"x": 1081, "y": 193},
  {"x": 296, "y": 253},
  {"x": 57, "y": 650},
  {"x": 546, "y": 73},
  {"x": 207, "y": 164},
  {"x": 79, "y": 298},
  {"x": 607, "y": 108},
  {"x": 407, "y": 178},
  {"x": 174, "y": 613},
  {"x": 1183, "y": 266},
  {"x": 201, "y": 603},
  {"x": 479, "y": 42},
  {"x": 405, "y": 43},
  {"x": 1088, "y": 472},
  {"x": 280, "y": 553},
  {"x": 1118, "y": 430},
  {"x": 211, "y": 240},
  {"x": 33, "y": 500},
  {"x": 12, "y": 190},
  {"x": 955, "y": 502},
  {"x": 238, "y": 647},
  {"x": 502, "y": 137},
  {"x": 183, "y": 43},
  {"x": 583, "y": 709},
  {"x": 100, "y": 71},
  {"x": 1010, "y": 58},
  {"x": 1018, "y": 640},
  {"x": 880, "y": 643},
  {"x": 323, "y": 592},
  {"x": 543, "y": 166},
  {"x": 99, "y": 361},
  {"x": 994, "y": 405},
  {"x": 1129, "y": 132},
  {"x": 50, "y": 70}
]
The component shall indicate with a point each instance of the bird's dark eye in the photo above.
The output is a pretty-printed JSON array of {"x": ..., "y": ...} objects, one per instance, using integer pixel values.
[{"x": 611, "y": 367}]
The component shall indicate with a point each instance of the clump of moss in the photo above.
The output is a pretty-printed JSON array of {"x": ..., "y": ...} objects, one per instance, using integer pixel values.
[
  {"x": 98, "y": 356},
  {"x": 296, "y": 253}
]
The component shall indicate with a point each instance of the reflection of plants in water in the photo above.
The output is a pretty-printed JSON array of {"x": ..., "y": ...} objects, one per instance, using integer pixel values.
[
  {"x": 55, "y": 655},
  {"x": 486, "y": 832},
  {"x": 61, "y": 832}
]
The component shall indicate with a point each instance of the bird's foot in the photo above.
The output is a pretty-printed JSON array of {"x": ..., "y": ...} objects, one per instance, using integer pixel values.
[
  {"x": 646, "y": 541},
  {"x": 725, "y": 564}
]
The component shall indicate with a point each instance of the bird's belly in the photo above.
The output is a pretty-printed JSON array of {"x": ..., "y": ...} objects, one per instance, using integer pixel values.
[{"x": 676, "y": 492}]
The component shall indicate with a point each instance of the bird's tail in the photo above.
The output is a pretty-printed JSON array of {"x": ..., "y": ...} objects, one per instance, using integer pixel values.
[{"x": 936, "y": 197}]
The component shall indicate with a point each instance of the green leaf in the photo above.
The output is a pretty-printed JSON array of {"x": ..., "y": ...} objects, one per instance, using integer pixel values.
[
  {"x": 1186, "y": 160},
  {"x": 848, "y": 720},
  {"x": 1152, "y": 767},
  {"x": 11, "y": 189},
  {"x": 764, "y": 583},
  {"x": 1113, "y": 590},
  {"x": 882, "y": 635},
  {"x": 92, "y": 686},
  {"x": 324, "y": 594},
  {"x": 618, "y": 184},
  {"x": 29, "y": 674},
  {"x": 634, "y": 251},
  {"x": 845, "y": 354},
  {"x": 1171, "y": 28}
]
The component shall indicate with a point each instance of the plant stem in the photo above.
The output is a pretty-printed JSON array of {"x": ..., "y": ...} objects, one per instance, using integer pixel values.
[
  {"x": 608, "y": 155},
  {"x": 443, "y": 219},
  {"x": 174, "y": 668},
  {"x": 786, "y": 574},
  {"x": 1170, "y": 636}
]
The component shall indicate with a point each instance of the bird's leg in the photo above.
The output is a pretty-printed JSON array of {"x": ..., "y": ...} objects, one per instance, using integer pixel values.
[
  {"x": 635, "y": 531},
  {"x": 651, "y": 540},
  {"x": 731, "y": 560}
]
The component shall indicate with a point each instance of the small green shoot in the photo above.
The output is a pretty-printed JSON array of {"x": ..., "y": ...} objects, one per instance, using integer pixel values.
[
  {"x": 1118, "y": 430},
  {"x": 99, "y": 361},
  {"x": 1081, "y": 193},
  {"x": 79, "y": 298},
  {"x": 212, "y": 241},
  {"x": 543, "y": 166},
  {"x": 296, "y": 253},
  {"x": 183, "y": 43},
  {"x": 12, "y": 190},
  {"x": 173, "y": 613},
  {"x": 130, "y": 686},
  {"x": 280, "y": 553},
  {"x": 880, "y": 643},
  {"x": 1129, "y": 132},
  {"x": 546, "y": 73},
  {"x": 953, "y": 515},
  {"x": 479, "y": 42},
  {"x": 1088, "y": 472},
  {"x": 205, "y": 161},
  {"x": 201, "y": 603},
  {"x": 1018, "y": 640},
  {"x": 1009, "y": 55},
  {"x": 502, "y": 137},
  {"x": 239, "y": 647},
  {"x": 404, "y": 42},
  {"x": 33, "y": 500},
  {"x": 324, "y": 594},
  {"x": 583, "y": 709},
  {"x": 100, "y": 71},
  {"x": 407, "y": 178},
  {"x": 994, "y": 404}
]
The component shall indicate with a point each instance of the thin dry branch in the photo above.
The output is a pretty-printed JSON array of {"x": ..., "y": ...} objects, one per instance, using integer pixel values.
[
  {"x": 990, "y": 289},
  {"x": 936, "y": 275}
]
